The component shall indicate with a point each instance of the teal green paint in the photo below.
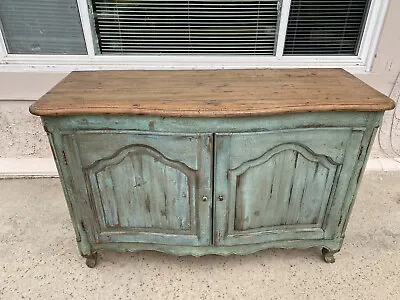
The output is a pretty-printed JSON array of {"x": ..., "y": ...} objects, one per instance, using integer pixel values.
[
  {"x": 207, "y": 125},
  {"x": 222, "y": 250},
  {"x": 148, "y": 183}
]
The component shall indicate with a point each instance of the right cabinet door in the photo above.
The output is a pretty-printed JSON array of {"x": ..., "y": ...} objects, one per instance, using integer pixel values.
[{"x": 282, "y": 185}]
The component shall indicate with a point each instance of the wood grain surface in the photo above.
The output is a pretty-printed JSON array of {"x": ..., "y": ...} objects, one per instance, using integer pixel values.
[{"x": 216, "y": 93}]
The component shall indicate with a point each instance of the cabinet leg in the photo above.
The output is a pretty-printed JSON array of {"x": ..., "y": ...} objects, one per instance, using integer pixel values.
[
  {"x": 91, "y": 260},
  {"x": 328, "y": 255}
]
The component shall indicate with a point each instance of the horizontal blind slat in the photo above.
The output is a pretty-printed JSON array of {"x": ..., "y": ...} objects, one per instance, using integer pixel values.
[
  {"x": 321, "y": 27},
  {"x": 189, "y": 27}
]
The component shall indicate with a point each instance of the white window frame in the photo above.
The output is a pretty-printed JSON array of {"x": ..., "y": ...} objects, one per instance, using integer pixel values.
[{"x": 91, "y": 61}]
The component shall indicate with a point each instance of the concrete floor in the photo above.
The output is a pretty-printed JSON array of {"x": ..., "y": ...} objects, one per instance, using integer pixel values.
[{"x": 39, "y": 258}]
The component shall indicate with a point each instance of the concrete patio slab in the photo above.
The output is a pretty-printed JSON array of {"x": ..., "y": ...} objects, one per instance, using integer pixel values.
[{"x": 39, "y": 258}]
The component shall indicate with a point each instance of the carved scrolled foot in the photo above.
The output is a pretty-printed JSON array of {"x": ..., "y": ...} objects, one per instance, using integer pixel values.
[
  {"x": 328, "y": 255},
  {"x": 91, "y": 260}
]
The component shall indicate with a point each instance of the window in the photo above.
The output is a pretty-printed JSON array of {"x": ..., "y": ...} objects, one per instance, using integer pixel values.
[
  {"x": 186, "y": 27},
  {"x": 90, "y": 34},
  {"x": 320, "y": 27},
  {"x": 42, "y": 27}
]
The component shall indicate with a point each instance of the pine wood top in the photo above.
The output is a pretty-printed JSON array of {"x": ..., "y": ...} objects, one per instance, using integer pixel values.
[{"x": 218, "y": 93}]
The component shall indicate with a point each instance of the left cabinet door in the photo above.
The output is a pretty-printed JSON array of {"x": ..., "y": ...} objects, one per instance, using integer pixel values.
[{"x": 141, "y": 187}]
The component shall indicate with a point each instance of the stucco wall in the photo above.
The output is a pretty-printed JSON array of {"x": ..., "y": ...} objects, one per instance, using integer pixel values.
[
  {"x": 387, "y": 59},
  {"x": 386, "y": 65},
  {"x": 385, "y": 75},
  {"x": 22, "y": 136}
]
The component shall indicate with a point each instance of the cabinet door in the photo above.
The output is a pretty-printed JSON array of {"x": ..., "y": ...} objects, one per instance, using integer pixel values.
[
  {"x": 273, "y": 186},
  {"x": 143, "y": 187}
]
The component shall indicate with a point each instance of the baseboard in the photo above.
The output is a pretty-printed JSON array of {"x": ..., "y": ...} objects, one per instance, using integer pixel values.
[
  {"x": 45, "y": 167},
  {"x": 27, "y": 167}
]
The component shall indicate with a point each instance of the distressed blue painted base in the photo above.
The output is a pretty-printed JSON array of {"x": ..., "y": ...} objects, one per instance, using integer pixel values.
[
  {"x": 197, "y": 186},
  {"x": 333, "y": 245}
]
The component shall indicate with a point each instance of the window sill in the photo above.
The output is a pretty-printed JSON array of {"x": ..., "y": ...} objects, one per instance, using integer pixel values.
[{"x": 57, "y": 63}]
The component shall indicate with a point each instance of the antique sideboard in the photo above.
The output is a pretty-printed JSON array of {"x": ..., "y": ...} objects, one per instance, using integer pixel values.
[{"x": 210, "y": 162}]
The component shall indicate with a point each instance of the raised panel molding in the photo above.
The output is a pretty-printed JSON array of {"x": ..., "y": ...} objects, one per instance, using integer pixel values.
[
  {"x": 287, "y": 185},
  {"x": 138, "y": 187},
  {"x": 11, "y": 167}
]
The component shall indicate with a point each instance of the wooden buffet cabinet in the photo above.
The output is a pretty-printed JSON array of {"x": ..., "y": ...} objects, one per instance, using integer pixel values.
[{"x": 210, "y": 162}]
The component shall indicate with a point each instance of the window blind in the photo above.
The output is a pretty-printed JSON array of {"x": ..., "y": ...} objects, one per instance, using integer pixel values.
[
  {"x": 42, "y": 27},
  {"x": 191, "y": 27},
  {"x": 325, "y": 27}
]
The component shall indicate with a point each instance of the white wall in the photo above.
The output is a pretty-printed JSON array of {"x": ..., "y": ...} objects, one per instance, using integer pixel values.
[
  {"x": 22, "y": 136},
  {"x": 386, "y": 65},
  {"x": 24, "y": 149}
]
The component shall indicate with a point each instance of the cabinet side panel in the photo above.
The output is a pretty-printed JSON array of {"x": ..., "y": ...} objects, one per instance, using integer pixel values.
[
  {"x": 66, "y": 178},
  {"x": 373, "y": 124},
  {"x": 333, "y": 213}
]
